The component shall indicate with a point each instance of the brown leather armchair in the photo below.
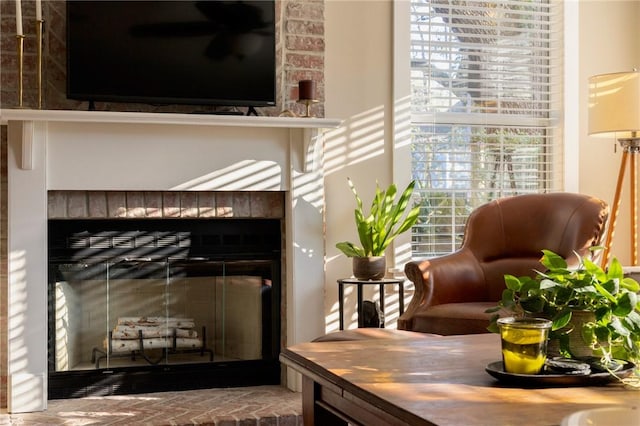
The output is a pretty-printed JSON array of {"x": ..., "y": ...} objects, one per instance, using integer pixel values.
[{"x": 505, "y": 236}]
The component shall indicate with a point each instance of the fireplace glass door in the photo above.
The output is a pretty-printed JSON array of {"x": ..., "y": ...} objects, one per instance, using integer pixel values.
[
  {"x": 141, "y": 311},
  {"x": 147, "y": 297}
]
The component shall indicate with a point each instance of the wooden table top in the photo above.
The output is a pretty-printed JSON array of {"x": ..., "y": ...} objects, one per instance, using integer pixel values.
[{"x": 442, "y": 381}]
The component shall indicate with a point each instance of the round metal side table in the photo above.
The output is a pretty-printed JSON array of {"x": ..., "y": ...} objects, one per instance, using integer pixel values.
[{"x": 360, "y": 283}]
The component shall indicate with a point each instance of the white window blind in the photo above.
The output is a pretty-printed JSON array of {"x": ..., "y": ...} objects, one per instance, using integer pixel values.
[{"x": 486, "y": 81}]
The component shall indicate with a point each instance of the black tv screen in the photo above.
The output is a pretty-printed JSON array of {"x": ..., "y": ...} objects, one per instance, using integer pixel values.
[{"x": 163, "y": 52}]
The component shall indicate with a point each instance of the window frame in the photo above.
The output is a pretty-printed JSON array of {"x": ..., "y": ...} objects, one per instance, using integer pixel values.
[{"x": 565, "y": 179}]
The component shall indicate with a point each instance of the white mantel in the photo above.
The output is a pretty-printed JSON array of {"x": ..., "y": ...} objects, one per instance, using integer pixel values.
[
  {"x": 308, "y": 140},
  {"x": 92, "y": 150}
]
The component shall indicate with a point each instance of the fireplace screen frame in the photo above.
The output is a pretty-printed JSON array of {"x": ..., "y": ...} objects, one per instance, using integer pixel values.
[{"x": 195, "y": 247}]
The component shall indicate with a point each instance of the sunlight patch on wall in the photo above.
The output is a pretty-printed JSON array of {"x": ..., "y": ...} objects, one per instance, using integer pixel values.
[
  {"x": 244, "y": 175},
  {"x": 309, "y": 187},
  {"x": 17, "y": 312},
  {"x": 402, "y": 254},
  {"x": 359, "y": 139}
]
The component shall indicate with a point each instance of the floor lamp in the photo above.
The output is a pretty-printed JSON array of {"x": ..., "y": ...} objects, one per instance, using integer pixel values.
[{"x": 614, "y": 108}]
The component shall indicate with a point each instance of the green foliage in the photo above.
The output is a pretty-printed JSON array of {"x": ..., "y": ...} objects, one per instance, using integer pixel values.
[
  {"x": 383, "y": 223},
  {"x": 560, "y": 291}
]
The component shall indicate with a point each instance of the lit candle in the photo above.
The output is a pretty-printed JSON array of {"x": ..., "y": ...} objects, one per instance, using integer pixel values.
[
  {"x": 19, "y": 18},
  {"x": 306, "y": 90},
  {"x": 38, "y": 10}
]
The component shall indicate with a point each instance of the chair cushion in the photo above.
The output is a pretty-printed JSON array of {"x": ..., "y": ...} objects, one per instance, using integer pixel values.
[{"x": 455, "y": 318}]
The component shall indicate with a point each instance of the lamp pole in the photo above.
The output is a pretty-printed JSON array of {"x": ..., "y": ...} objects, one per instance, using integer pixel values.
[{"x": 630, "y": 147}]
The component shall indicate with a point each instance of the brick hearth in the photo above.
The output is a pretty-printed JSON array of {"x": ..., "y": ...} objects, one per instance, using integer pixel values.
[{"x": 251, "y": 406}]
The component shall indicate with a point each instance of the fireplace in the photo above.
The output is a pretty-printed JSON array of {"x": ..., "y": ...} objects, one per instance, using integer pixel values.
[
  {"x": 162, "y": 304},
  {"x": 141, "y": 154}
]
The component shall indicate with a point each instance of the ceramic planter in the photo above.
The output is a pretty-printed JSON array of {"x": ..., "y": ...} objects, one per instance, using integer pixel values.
[
  {"x": 369, "y": 268},
  {"x": 576, "y": 344}
]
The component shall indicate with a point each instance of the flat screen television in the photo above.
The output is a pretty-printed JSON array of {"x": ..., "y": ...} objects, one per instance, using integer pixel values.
[{"x": 172, "y": 52}]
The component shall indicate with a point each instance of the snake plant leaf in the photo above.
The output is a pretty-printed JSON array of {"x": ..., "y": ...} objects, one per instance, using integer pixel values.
[
  {"x": 384, "y": 221},
  {"x": 349, "y": 249},
  {"x": 409, "y": 221},
  {"x": 393, "y": 215},
  {"x": 355, "y": 193},
  {"x": 363, "y": 225}
]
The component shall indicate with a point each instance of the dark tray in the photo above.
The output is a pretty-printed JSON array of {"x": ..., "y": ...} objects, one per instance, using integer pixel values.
[{"x": 496, "y": 369}]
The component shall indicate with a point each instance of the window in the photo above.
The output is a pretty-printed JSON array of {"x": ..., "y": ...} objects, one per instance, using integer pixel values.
[{"x": 485, "y": 103}]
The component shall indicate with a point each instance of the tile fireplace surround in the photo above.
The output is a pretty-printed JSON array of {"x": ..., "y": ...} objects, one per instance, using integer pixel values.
[{"x": 114, "y": 151}]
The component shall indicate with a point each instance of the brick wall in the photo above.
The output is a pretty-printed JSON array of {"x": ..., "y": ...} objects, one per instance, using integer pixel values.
[
  {"x": 299, "y": 52},
  {"x": 165, "y": 204}
]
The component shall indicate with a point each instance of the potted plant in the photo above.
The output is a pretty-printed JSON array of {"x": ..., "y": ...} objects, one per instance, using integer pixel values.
[
  {"x": 385, "y": 220},
  {"x": 605, "y": 300}
]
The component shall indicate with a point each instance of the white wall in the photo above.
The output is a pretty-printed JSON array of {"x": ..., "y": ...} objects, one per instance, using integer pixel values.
[
  {"x": 358, "y": 76},
  {"x": 359, "y": 52},
  {"x": 609, "y": 42}
]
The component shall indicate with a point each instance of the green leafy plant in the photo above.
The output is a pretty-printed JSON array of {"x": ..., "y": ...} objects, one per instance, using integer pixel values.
[
  {"x": 560, "y": 291},
  {"x": 384, "y": 222}
]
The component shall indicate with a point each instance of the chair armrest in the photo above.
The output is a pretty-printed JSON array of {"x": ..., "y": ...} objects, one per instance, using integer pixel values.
[{"x": 453, "y": 278}]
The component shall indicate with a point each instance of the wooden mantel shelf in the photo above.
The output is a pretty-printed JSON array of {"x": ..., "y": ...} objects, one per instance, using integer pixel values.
[
  {"x": 7, "y": 115},
  {"x": 311, "y": 129}
]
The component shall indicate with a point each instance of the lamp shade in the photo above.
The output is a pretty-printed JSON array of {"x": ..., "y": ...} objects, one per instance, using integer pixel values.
[{"x": 614, "y": 103}]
